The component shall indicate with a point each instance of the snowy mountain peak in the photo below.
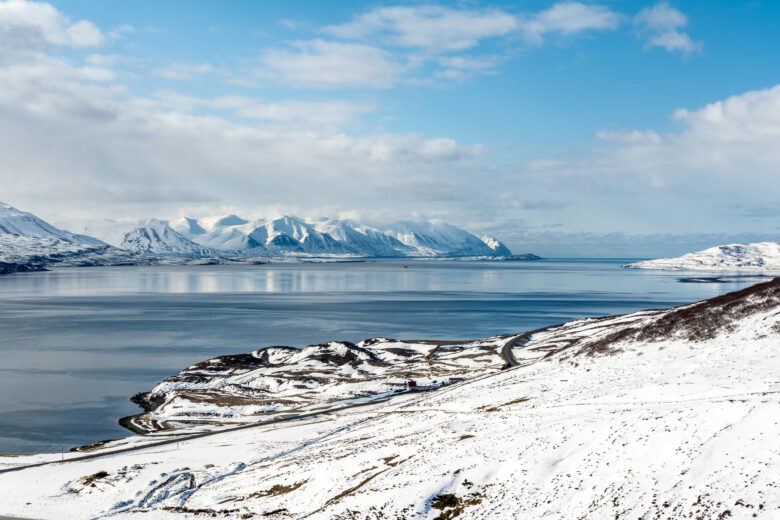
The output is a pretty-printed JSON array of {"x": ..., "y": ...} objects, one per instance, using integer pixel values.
[
  {"x": 497, "y": 246},
  {"x": 186, "y": 226},
  {"x": 209, "y": 223},
  {"x": 157, "y": 237}
]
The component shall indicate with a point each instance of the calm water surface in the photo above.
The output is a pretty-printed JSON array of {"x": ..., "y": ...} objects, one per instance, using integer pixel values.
[{"x": 76, "y": 343}]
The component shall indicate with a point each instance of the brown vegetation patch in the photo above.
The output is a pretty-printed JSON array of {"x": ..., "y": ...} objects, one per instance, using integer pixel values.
[
  {"x": 452, "y": 506},
  {"x": 90, "y": 480},
  {"x": 354, "y": 488},
  {"x": 699, "y": 321},
  {"x": 210, "y": 512}
]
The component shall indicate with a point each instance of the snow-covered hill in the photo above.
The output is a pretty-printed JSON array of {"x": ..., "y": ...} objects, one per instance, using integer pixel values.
[
  {"x": 760, "y": 256},
  {"x": 276, "y": 380},
  {"x": 657, "y": 414},
  {"x": 21, "y": 223}
]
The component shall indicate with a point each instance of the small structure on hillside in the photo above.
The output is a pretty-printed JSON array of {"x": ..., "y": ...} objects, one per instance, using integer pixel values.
[{"x": 414, "y": 386}]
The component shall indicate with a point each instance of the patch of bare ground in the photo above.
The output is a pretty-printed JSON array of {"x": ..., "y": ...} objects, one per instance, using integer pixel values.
[
  {"x": 90, "y": 480},
  {"x": 273, "y": 491},
  {"x": 498, "y": 407},
  {"x": 438, "y": 343},
  {"x": 351, "y": 490},
  {"x": 452, "y": 506},
  {"x": 208, "y": 512}
]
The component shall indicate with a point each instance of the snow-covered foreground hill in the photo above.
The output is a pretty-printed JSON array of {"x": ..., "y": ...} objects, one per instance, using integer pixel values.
[
  {"x": 278, "y": 380},
  {"x": 658, "y": 414},
  {"x": 761, "y": 256}
]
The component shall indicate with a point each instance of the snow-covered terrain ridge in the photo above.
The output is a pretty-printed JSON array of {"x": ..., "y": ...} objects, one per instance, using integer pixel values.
[
  {"x": 277, "y": 380},
  {"x": 21, "y": 223},
  {"x": 654, "y": 415},
  {"x": 31, "y": 243},
  {"x": 760, "y": 256}
]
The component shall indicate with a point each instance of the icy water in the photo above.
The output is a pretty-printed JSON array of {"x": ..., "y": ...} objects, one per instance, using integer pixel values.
[{"x": 76, "y": 343}]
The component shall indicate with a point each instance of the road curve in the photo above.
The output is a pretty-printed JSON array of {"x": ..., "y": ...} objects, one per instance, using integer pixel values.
[{"x": 521, "y": 339}]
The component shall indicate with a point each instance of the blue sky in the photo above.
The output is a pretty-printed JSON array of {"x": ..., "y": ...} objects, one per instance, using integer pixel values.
[{"x": 615, "y": 128}]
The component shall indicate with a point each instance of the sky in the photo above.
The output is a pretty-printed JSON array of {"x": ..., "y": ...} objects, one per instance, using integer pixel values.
[{"x": 613, "y": 128}]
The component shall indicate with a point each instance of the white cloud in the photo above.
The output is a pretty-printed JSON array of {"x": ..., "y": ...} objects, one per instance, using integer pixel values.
[
  {"x": 31, "y": 26},
  {"x": 629, "y": 136},
  {"x": 183, "y": 71},
  {"x": 329, "y": 113},
  {"x": 464, "y": 67},
  {"x": 568, "y": 18},
  {"x": 675, "y": 41},
  {"x": 327, "y": 64},
  {"x": 103, "y": 60},
  {"x": 287, "y": 23},
  {"x": 429, "y": 27},
  {"x": 120, "y": 32},
  {"x": 416, "y": 44},
  {"x": 93, "y": 149},
  {"x": 752, "y": 118},
  {"x": 722, "y": 152},
  {"x": 661, "y": 23}
]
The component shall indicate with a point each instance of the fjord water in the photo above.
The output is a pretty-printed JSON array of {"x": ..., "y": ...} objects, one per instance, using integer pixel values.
[{"x": 76, "y": 343}]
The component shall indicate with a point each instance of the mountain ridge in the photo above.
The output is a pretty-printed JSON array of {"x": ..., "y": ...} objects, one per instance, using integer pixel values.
[{"x": 25, "y": 238}]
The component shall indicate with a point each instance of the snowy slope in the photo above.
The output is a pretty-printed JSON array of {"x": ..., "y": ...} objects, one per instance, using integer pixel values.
[
  {"x": 364, "y": 240},
  {"x": 31, "y": 244},
  {"x": 441, "y": 239},
  {"x": 157, "y": 237},
  {"x": 21, "y": 223},
  {"x": 655, "y": 415},
  {"x": 760, "y": 256}
]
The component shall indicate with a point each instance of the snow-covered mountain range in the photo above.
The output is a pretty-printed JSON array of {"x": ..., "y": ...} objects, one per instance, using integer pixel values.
[
  {"x": 28, "y": 242},
  {"x": 760, "y": 256},
  {"x": 233, "y": 236},
  {"x": 657, "y": 414}
]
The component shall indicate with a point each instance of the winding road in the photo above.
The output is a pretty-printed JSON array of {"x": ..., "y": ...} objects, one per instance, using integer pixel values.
[{"x": 506, "y": 350}]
